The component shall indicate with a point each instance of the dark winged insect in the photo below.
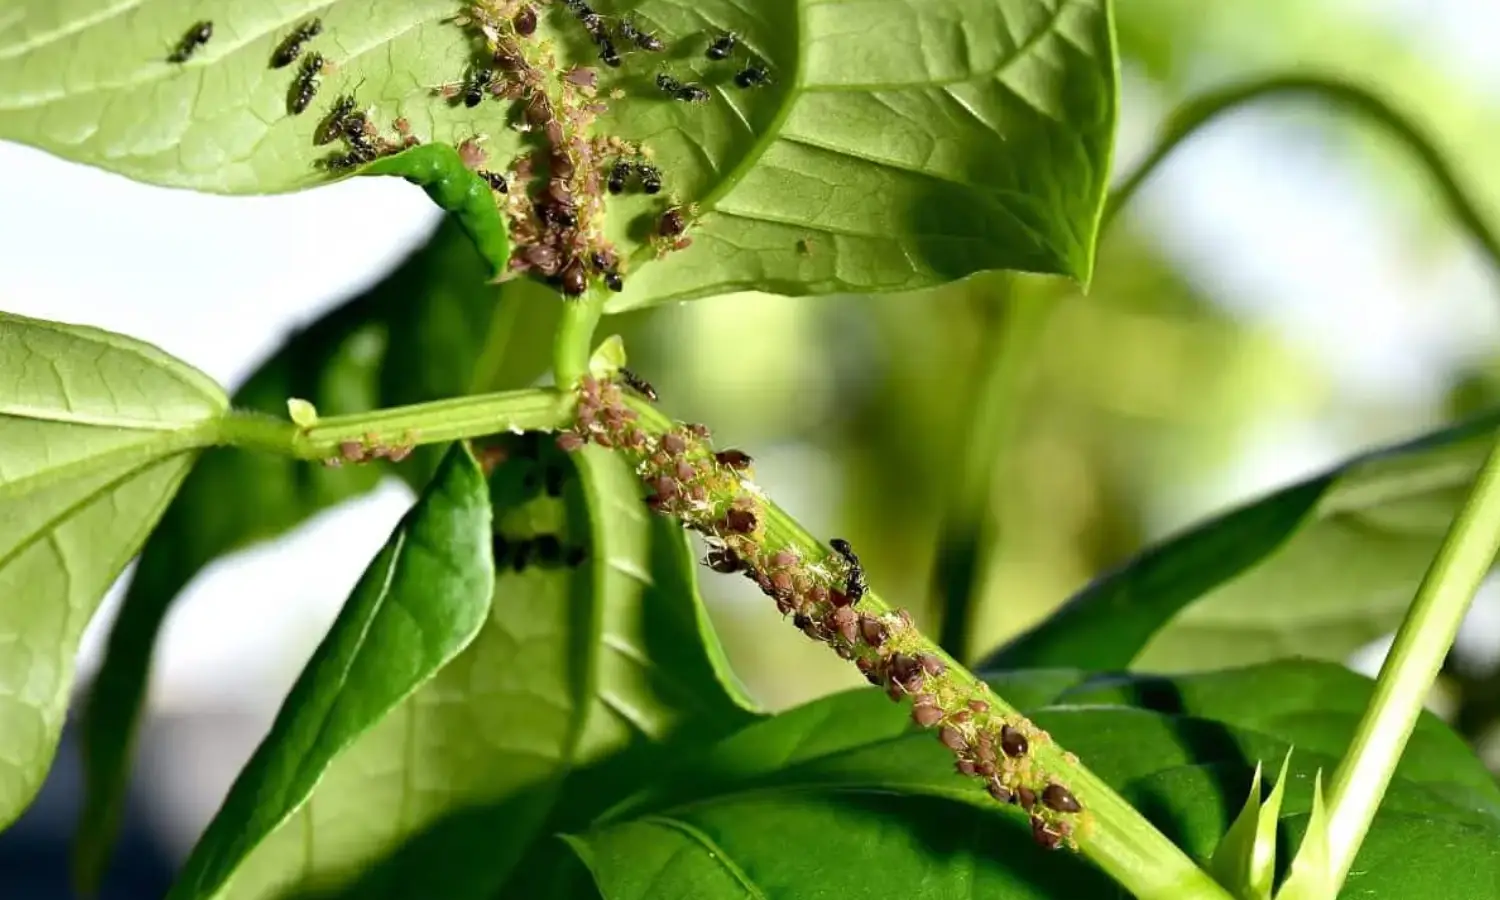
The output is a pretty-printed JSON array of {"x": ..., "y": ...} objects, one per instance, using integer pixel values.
[
  {"x": 667, "y": 84},
  {"x": 722, "y": 46},
  {"x": 495, "y": 180},
  {"x": 753, "y": 75},
  {"x": 291, "y": 46},
  {"x": 648, "y": 42},
  {"x": 692, "y": 93},
  {"x": 334, "y": 124},
  {"x": 608, "y": 54},
  {"x": 619, "y": 174},
  {"x": 306, "y": 85},
  {"x": 638, "y": 384},
  {"x": 650, "y": 178},
  {"x": 196, "y": 37},
  {"x": 478, "y": 80}
]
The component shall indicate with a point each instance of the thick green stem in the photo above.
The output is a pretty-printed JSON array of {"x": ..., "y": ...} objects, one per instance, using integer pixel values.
[
  {"x": 1412, "y": 665},
  {"x": 1117, "y": 838},
  {"x": 575, "y": 338},
  {"x": 402, "y": 426},
  {"x": 1193, "y": 115}
]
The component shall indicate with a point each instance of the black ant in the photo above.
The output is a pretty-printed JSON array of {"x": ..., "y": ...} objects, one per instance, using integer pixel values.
[
  {"x": 638, "y": 384},
  {"x": 196, "y": 37},
  {"x": 495, "y": 180},
  {"x": 306, "y": 85},
  {"x": 856, "y": 586},
  {"x": 333, "y": 126},
  {"x": 479, "y": 79},
  {"x": 607, "y": 52},
  {"x": 755, "y": 74},
  {"x": 722, "y": 46},
  {"x": 291, "y": 47}
]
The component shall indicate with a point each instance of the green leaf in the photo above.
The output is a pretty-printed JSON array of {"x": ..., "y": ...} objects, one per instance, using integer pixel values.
[
  {"x": 96, "y": 432},
  {"x": 431, "y": 329},
  {"x": 422, "y": 600},
  {"x": 878, "y": 800},
  {"x": 904, "y": 143},
  {"x": 871, "y": 162},
  {"x": 580, "y": 680},
  {"x": 1316, "y": 570},
  {"x": 456, "y": 189}
]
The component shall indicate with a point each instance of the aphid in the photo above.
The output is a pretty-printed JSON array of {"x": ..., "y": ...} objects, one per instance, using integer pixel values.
[
  {"x": 1060, "y": 799},
  {"x": 650, "y": 178},
  {"x": 722, "y": 46},
  {"x": 574, "y": 280},
  {"x": 638, "y": 384},
  {"x": 306, "y": 85},
  {"x": 607, "y": 52},
  {"x": 291, "y": 46},
  {"x": 495, "y": 180},
  {"x": 479, "y": 79},
  {"x": 525, "y": 22},
  {"x": 619, "y": 174},
  {"x": 755, "y": 74},
  {"x": 614, "y": 282},
  {"x": 648, "y": 42},
  {"x": 334, "y": 125},
  {"x": 196, "y": 37},
  {"x": 672, "y": 223},
  {"x": 1013, "y": 742},
  {"x": 734, "y": 459}
]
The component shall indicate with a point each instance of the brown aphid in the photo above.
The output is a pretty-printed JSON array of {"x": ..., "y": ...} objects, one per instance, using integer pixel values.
[
  {"x": 673, "y": 443},
  {"x": 906, "y": 672},
  {"x": 817, "y": 594},
  {"x": 685, "y": 470},
  {"x": 672, "y": 223},
  {"x": 1060, "y": 799},
  {"x": 844, "y": 621},
  {"x": 926, "y": 715},
  {"x": 352, "y": 451},
  {"x": 784, "y": 558},
  {"x": 979, "y": 706},
  {"x": 574, "y": 279},
  {"x": 964, "y": 767},
  {"x": 734, "y": 459},
  {"x": 839, "y": 598},
  {"x": 739, "y": 521},
  {"x": 872, "y": 630},
  {"x": 868, "y": 669},
  {"x": 1044, "y": 835},
  {"x": 543, "y": 258},
  {"x": 571, "y": 441},
  {"x": 952, "y": 738},
  {"x": 1013, "y": 742},
  {"x": 1025, "y": 797},
  {"x": 699, "y": 431},
  {"x": 525, "y": 22},
  {"x": 997, "y": 790}
]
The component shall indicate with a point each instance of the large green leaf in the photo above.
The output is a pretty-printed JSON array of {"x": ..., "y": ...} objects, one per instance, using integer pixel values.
[
  {"x": 431, "y": 329},
  {"x": 1316, "y": 569},
  {"x": 845, "y": 797},
  {"x": 96, "y": 432},
  {"x": 422, "y": 600},
  {"x": 900, "y": 143},
  {"x": 580, "y": 678}
]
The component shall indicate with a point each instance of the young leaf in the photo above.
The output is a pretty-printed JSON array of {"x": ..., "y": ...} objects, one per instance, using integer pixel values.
[
  {"x": 1245, "y": 860},
  {"x": 96, "y": 432},
  {"x": 1311, "y": 876},
  {"x": 421, "y": 601},
  {"x": 580, "y": 677},
  {"x": 1316, "y": 570},
  {"x": 830, "y": 797},
  {"x": 381, "y": 348}
]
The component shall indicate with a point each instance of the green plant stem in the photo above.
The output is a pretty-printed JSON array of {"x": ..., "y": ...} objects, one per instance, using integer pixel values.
[
  {"x": 575, "y": 338},
  {"x": 1193, "y": 115},
  {"x": 403, "y": 426},
  {"x": 1412, "y": 665},
  {"x": 1117, "y": 838}
]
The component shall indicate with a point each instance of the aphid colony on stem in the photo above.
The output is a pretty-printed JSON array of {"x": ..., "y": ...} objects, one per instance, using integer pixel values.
[
  {"x": 195, "y": 37},
  {"x": 708, "y": 492}
]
